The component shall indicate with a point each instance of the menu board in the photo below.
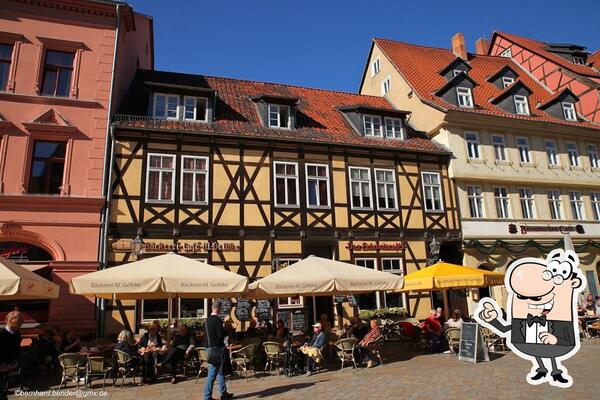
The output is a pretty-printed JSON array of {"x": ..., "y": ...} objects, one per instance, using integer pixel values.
[
  {"x": 339, "y": 298},
  {"x": 352, "y": 301},
  {"x": 225, "y": 307},
  {"x": 263, "y": 310},
  {"x": 243, "y": 309},
  {"x": 471, "y": 346},
  {"x": 285, "y": 317},
  {"x": 298, "y": 320}
]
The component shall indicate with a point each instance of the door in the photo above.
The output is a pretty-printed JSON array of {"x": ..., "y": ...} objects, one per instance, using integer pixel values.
[{"x": 319, "y": 304}]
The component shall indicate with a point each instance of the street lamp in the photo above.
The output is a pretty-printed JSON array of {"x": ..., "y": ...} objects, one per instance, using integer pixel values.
[
  {"x": 137, "y": 246},
  {"x": 434, "y": 250}
]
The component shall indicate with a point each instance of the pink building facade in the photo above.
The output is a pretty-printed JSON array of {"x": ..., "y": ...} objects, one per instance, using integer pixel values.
[{"x": 64, "y": 65}]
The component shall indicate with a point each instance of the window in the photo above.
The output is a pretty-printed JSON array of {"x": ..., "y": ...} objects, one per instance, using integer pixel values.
[
  {"x": 576, "y": 205},
  {"x": 195, "y": 108},
  {"x": 507, "y": 81},
  {"x": 360, "y": 188},
  {"x": 523, "y": 147},
  {"x": 57, "y": 73},
  {"x": 47, "y": 167},
  {"x": 155, "y": 309},
  {"x": 554, "y": 203},
  {"x": 386, "y": 85},
  {"x": 592, "y": 151},
  {"x": 432, "y": 190},
  {"x": 595, "y": 202},
  {"x": 475, "y": 201},
  {"x": 367, "y": 301},
  {"x": 526, "y": 198},
  {"x": 472, "y": 145},
  {"x": 578, "y": 60},
  {"x": 193, "y": 308},
  {"x": 393, "y": 128},
  {"x": 292, "y": 301},
  {"x": 385, "y": 182},
  {"x": 279, "y": 116},
  {"x": 464, "y": 97},
  {"x": 317, "y": 185},
  {"x": 551, "y": 152},
  {"x": 502, "y": 202},
  {"x": 499, "y": 147},
  {"x": 194, "y": 179},
  {"x": 573, "y": 154},
  {"x": 393, "y": 266},
  {"x": 372, "y": 125},
  {"x": 286, "y": 184},
  {"x": 521, "y": 105},
  {"x": 6, "y": 51},
  {"x": 160, "y": 177},
  {"x": 376, "y": 66},
  {"x": 166, "y": 106},
  {"x": 456, "y": 72},
  {"x": 569, "y": 111},
  {"x": 506, "y": 53}
]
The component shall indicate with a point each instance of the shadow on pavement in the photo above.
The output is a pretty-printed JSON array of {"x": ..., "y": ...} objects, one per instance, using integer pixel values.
[{"x": 272, "y": 391}]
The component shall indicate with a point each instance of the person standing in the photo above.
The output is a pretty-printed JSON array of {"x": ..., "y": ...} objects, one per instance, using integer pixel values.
[
  {"x": 215, "y": 341},
  {"x": 10, "y": 343}
]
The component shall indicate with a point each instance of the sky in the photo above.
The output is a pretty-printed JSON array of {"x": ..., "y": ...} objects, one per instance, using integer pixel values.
[{"x": 325, "y": 43}]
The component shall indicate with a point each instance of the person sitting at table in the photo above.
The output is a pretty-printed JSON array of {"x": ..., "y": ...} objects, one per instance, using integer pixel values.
[
  {"x": 177, "y": 351},
  {"x": 312, "y": 349},
  {"x": 251, "y": 332},
  {"x": 281, "y": 332},
  {"x": 71, "y": 343},
  {"x": 598, "y": 305},
  {"x": 357, "y": 329},
  {"x": 126, "y": 344},
  {"x": 589, "y": 303},
  {"x": 48, "y": 349},
  {"x": 440, "y": 316},
  {"x": 362, "y": 348},
  {"x": 150, "y": 344},
  {"x": 325, "y": 323},
  {"x": 434, "y": 331},
  {"x": 455, "y": 320}
]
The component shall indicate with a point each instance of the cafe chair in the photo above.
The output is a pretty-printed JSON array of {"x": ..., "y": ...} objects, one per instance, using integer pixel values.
[
  {"x": 375, "y": 348},
  {"x": 243, "y": 359},
  {"x": 124, "y": 367},
  {"x": 202, "y": 360},
  {"x": 97, "y": 367},
  {"x": 345, "y": 351},
  {"x": 73, "y": 367},
  {"x": 453, "y": 338},
  {"x": 275, "y": 354}
]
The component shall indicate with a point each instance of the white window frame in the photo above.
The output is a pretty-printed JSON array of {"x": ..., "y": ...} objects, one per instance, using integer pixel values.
[
  {"x": 153, "y": 318},
  {"x": 555, "y": 204},
  {"x": 160, "y": 170},
  {"x": 195, "y": 118},
  {"x": 425, "y": 186},
  {"x": 360, "y": 181},
  {"x": 278, "y": 111},
  {"x": 286, "y": 177},
  {"x": 521, "y": 104},
  {"x": 376, "y": 66},
  {"x": 595, "y": 204},
  {"x": 552, "y": 152},
  {"x": 592, "y": 151},
  {"x": 473, "y": 146},
  {"x": 195, "y": 172},
  {"x": 573, "y": 156},
  {"x": 465, "y": 94},
  {"x": 318, "y": 178},
  {"x": 569, "y": 111},
  {"x": 524, "y": 146},
  {"x": 507, "y": 81},
  {"x": 395, "y": 135},
  {"x": 399, "y": 271},
  {"x": 578, "y": 60},
  {"x": 456, "y": 72},
  {"x": 376, "y": 268},
  {"x": 386, "y": 85},
  {"x": 371, "y": 120},
  {"x": 476, "y": 201},
  {"x": 179, "y": 307},
  {"x": 503, "y": 202},
  {"x": 386, "y": 183},
  {"x": 499, "y": 148},
  {"x": 165, "y": 116},
  {"x": 507, "y": 53},
  {"x": 289, "y": 298},
  {"x": 577, "y": 206},
  {"x": 525, "y": 201}
]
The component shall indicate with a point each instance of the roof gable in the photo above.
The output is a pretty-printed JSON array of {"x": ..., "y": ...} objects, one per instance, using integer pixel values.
[{"x": 517, "y": 88}]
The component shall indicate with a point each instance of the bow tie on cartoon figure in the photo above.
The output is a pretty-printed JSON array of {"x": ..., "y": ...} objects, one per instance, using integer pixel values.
[{"x": 541, "y": 322}]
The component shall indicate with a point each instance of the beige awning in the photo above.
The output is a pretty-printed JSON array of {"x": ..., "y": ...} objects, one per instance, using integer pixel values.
[
  {"x": 316, "y": 276},
  {"x": 18, "y": 283},
  {"x": 160, "y": 277}
]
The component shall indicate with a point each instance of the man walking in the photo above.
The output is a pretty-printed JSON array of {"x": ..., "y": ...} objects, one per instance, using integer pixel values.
[
  {"x": 10, "y": 344},
  {"x": 215, "y": 344}
]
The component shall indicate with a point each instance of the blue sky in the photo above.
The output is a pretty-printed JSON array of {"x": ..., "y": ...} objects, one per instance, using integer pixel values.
[{"x": 325, "y": 43}]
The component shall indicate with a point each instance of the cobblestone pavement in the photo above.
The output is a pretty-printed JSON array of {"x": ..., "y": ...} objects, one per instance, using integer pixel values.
[{"x": 411, "y": 376}]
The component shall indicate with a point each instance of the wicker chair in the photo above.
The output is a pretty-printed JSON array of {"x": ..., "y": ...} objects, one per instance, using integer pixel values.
[
  {"x": 124, "y": 367},
  {"x": 453, "y": 338},
  {"x": 97, "y": 367},
  {"x": 73, "y": 367},
  {"x": 375, "y": 348},
  {"x": 202, "y": 360},
  {"x": 345, "y": 351},
  {"x": 243, "y": 359},
  {"x": 275, "y": 354}
]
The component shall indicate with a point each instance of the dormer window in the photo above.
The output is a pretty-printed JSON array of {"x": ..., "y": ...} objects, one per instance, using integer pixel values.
[
  {"x": 578, "y": 60},
  {"x": 393, "y": 128},
  {"x": 372, "y": 125},
  {"x": 465, "y": 98},
  {"x": 521, "y": 105},
  {"x": 569, "y": 111},
  {"x": 195, "y": 108},
  {"x": 507, "y": 81},
  {"x": 456, "y": 72},
  {"x": 279, "y": 116},
  {"x": 166, "y": 106}
]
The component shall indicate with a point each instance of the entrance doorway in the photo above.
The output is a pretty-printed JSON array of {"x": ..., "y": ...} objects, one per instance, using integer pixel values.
[{"x": 320, "y": 304}]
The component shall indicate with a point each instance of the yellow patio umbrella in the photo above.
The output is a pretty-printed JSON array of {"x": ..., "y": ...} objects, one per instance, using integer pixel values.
[{"x": 19, "y": 283}]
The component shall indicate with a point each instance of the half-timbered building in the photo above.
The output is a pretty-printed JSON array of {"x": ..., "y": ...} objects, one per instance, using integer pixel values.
[{"x": 251, "y": 176}]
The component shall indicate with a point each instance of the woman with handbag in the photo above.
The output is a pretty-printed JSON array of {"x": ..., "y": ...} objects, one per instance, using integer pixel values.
[{"x": 216, "y": 352}]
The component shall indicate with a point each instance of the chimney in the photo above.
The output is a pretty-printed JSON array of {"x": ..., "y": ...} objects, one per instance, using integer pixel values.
[
  {"x": 458, "y": 45},
  {"x": 481, "y": 46}
]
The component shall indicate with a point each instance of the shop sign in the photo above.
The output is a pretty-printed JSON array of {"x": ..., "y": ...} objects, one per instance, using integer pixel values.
[
  {"x": 365, "y": 246},
  {"x": 563, "y": 229},
  {"x": 196, "y": 247}
]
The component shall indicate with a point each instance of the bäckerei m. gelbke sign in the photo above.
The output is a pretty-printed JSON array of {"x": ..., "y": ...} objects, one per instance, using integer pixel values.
[{"x": 196, "y": 247}]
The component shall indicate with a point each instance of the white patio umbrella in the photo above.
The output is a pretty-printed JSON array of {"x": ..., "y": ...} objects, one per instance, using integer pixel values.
[{"x": 19, "y": 283}]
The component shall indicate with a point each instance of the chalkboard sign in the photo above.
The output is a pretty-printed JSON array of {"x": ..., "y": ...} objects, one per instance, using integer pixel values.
[
  {"x": 471, "y": 346},
  {"x": 339, "y": 298},
  {"x": 352, "y": 301},
  {"x": 298, "y": 320},
  {"x": 225, "y": 307},
  {"x": 243, "y": 309},
  {"x": 285, "y": 317},
  {"x": 263, "y": 310}
]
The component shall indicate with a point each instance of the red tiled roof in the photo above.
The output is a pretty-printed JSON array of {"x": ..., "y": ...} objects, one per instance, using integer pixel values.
[
  {"x": 318, "y": 115},
  {"x": 594, "y": 59},
  {"x": 556, "y": 95},
  {"x": 539, "y": 48},
  {"x": 420, "y": 65}
]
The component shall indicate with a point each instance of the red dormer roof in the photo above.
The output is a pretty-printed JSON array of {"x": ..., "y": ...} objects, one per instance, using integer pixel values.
[{"x": 594, "y": 60}]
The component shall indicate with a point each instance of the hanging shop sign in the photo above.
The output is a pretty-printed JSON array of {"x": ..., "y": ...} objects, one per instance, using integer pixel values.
[
  {"x": 563, "y": 229},
  {"x": 190, "y": 248},
  {"x": 366, "y": 246}
]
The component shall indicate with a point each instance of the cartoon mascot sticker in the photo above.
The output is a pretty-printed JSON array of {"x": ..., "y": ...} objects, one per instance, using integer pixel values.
[{"x": 542, "y": 324}]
